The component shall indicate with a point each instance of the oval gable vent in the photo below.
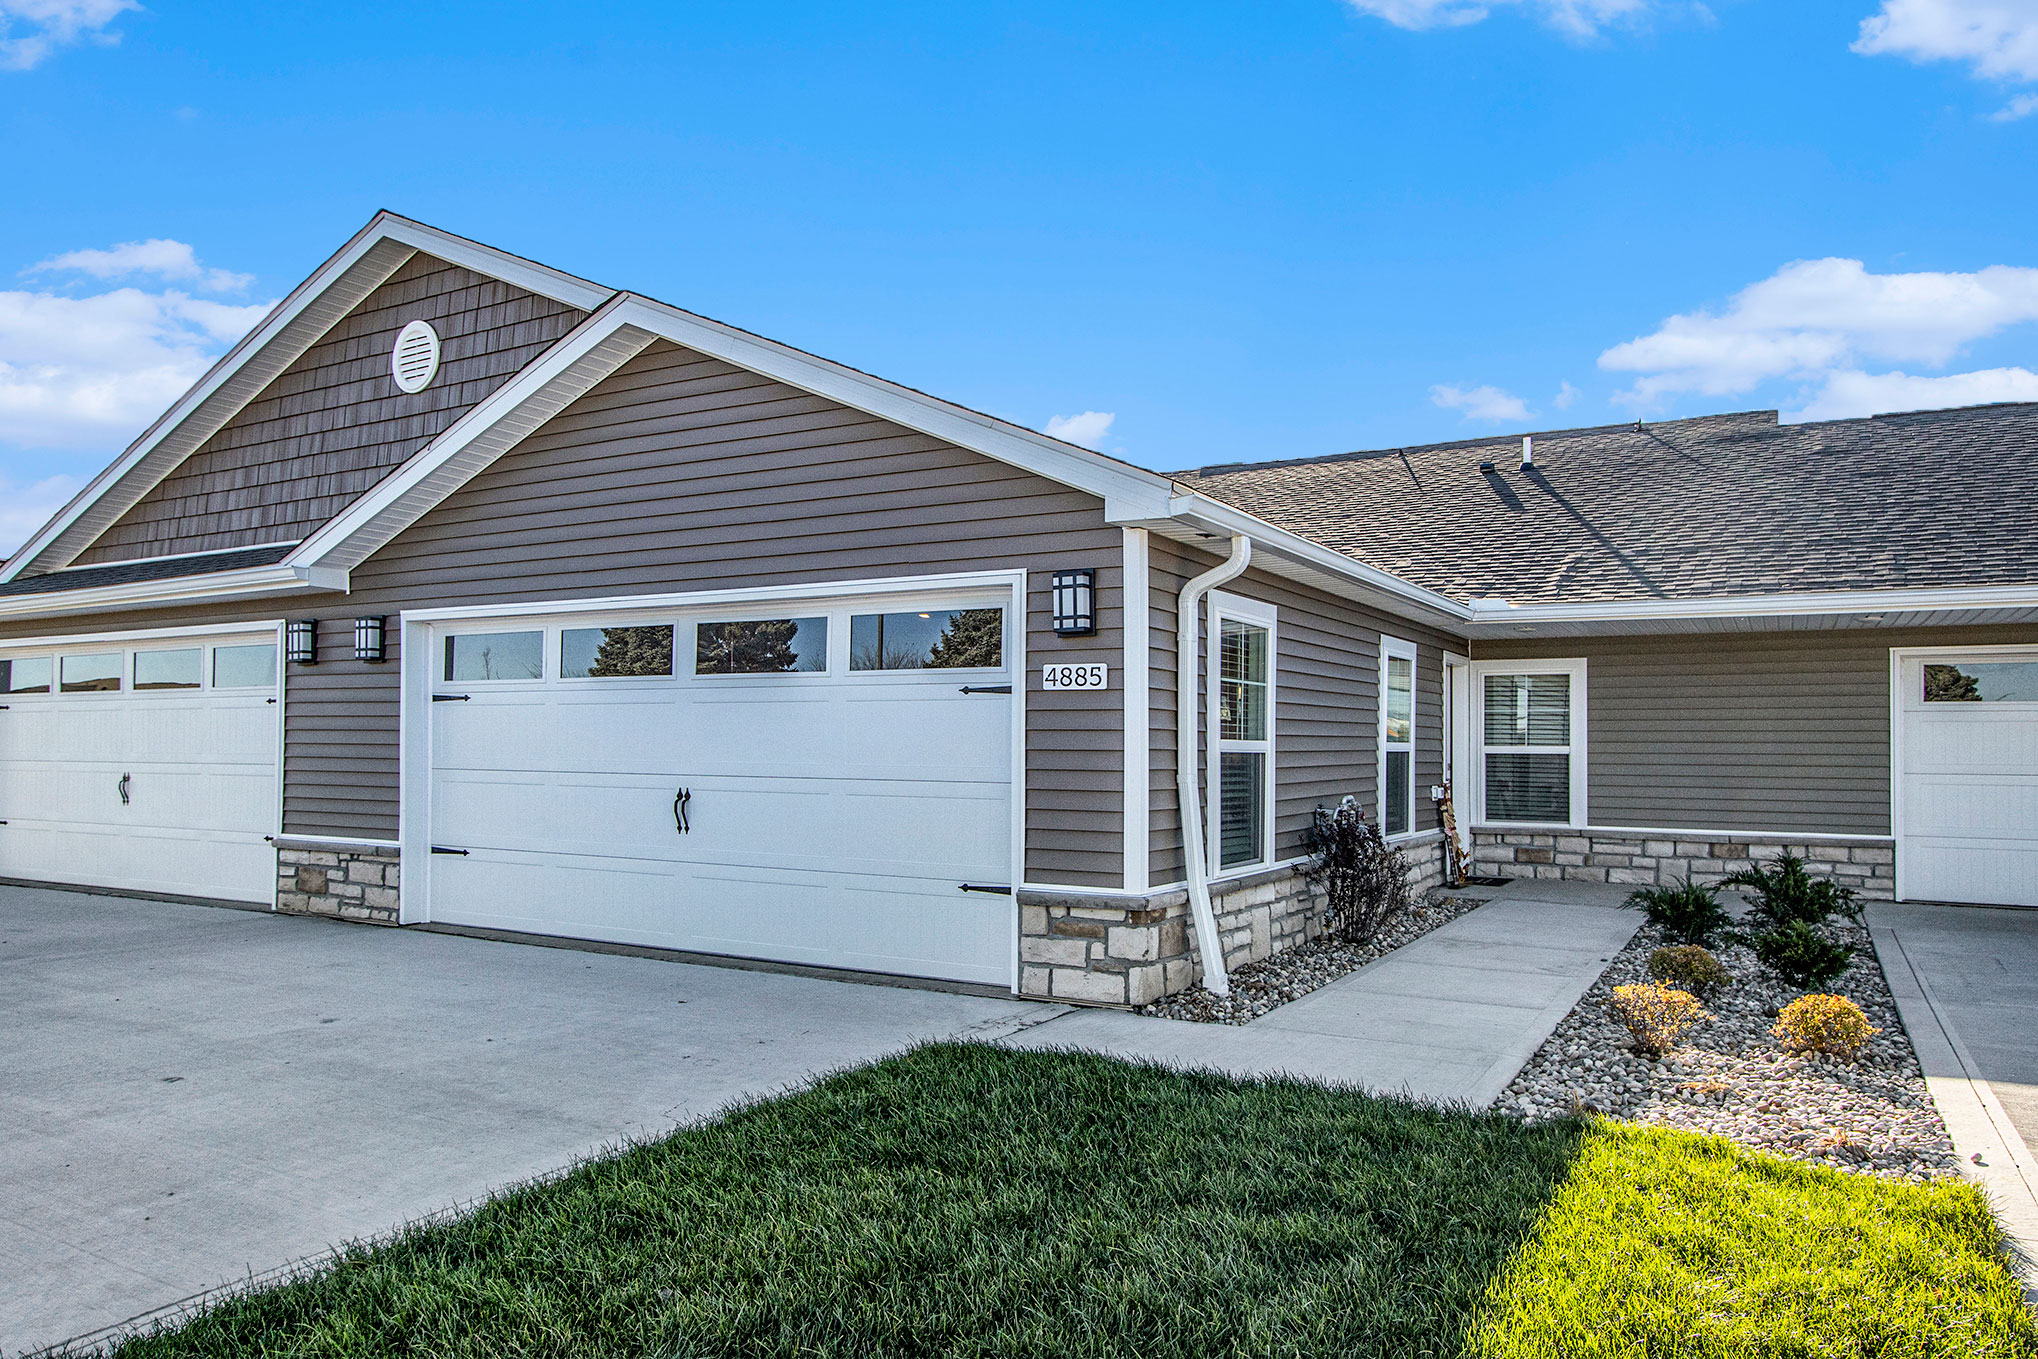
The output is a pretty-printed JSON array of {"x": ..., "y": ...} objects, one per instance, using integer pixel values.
[{"x": 415, "y": 360}]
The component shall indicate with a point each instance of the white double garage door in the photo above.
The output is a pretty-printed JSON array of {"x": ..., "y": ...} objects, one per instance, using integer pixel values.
[{"x": 814, "y": 782}]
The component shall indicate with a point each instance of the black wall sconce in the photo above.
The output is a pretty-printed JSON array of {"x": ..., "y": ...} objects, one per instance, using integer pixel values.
[
  {"x": 1075, "y": 603},
  {"x": 300, "y": 641},
  {"x": 368, "y": 639}
]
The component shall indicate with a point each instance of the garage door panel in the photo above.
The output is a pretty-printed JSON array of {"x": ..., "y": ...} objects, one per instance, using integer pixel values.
[
  {"x": 1968, "y": 787},
  {"x": 623, "y": 815}
]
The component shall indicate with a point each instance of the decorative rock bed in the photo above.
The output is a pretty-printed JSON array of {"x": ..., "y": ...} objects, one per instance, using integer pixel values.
[
  {"x": 1271, "y": 982},
  {"x": 1729, "y": 1077}
]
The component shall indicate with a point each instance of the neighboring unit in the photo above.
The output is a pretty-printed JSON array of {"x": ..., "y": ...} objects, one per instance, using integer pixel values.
[{"x": 465, "y": 591}]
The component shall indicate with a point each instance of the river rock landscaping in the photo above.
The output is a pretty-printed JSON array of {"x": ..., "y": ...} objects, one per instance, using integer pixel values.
[
  {"x": 1259, "y": 987},
  {"x": 1730, "y": 1077}
]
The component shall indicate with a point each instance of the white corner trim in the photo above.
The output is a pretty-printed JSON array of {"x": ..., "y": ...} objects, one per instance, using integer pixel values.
[
  {"x": 1137, "y": 657},
  {"x": 1501, "y": 612},
  {"x": 246, "y": 583}
]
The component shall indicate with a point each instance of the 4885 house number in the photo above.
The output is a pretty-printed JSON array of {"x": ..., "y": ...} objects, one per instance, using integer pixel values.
[{"x": 1089, "y": 675}]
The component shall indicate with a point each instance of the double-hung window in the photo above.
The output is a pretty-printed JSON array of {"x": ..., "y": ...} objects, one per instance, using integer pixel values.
[
  {"x": 1242, "y": 739},
  {"x": 1531, "y": 727},
  {"x": 1397, "y": 736}
]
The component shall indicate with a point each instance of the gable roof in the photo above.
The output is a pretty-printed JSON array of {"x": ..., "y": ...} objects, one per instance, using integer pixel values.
[
  {"x": 339, "y": 285},
  {"x": 1727, "y": 507}
]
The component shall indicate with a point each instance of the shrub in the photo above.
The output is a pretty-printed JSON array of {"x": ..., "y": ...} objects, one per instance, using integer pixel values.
[
  {"x": 1800, "y": 954},
  {"x": 1821, "y": 1023},
  {"x": 1785, "y": 892},
  {"x": 1364, "y": 877},
  {"x": 1690, "y": 914},
  {"x": 1689, "y": 968},
  {"x": 1655, "y": 1014}
]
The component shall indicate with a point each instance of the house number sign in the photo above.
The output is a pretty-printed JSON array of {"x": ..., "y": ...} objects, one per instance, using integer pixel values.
[{"x": 1089, "y": 675}]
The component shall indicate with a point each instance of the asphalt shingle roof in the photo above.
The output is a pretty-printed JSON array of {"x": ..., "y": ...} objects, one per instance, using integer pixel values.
[
  {"x": 127, "y": 573},
  {"x": 1682, "y": 509}
]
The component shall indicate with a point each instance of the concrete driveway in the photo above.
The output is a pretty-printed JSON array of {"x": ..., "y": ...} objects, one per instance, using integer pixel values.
[{"x": 194, "y": 1093}]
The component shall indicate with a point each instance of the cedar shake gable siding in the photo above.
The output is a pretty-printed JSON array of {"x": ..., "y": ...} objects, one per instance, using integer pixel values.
[
  {"x": 334, "y": 423},
  {"x": 1716, "y": 506}
]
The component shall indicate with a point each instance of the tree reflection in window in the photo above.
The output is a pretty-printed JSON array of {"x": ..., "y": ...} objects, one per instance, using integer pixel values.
[
  {"x": 936, "y": 639},
  {"x": 761, "y": 646}
]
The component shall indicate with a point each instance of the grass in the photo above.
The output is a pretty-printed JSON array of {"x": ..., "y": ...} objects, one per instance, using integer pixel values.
[{"x": 970, "y": 1200}]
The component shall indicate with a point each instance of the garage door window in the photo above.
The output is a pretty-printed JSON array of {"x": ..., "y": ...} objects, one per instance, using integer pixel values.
[
  {"x": 1982, "y": 682},
  {"x": 181, "y": 669},
  {"x": 30, "y": 676},
  {"x": 616, "y": 653},
  {"x": 244, "y": 667},
  {"x": 937, "y": 639},
  {"x": 484, "y": 656},
  {"x": 762, "y": 646},
  {"x": 90, "y": 674}
]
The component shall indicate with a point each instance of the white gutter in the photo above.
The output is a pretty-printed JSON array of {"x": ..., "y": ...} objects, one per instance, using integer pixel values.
[
  {"x": 247, "y": 583},
  {"x": 1500, "y": 612},
  {"x": 1188, "y": 630}
]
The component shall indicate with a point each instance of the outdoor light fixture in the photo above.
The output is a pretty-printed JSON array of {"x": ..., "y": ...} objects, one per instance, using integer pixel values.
[
  {"x": 368, "y": 639},
  {"x": 1075, "y": 603},
  {"x": 301, "y": 641}
]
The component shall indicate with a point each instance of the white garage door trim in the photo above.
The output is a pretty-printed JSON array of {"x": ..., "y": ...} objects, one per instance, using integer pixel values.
[
  {"x": 269, "y": 630},
  {"x": 418, "y": 626},
  {"x": 1899, "y": 709}
]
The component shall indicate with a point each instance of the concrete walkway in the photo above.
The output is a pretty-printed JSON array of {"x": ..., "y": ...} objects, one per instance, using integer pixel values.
[
  {"x": 1453, "y": 1016},
  {"x": 1966, "y": 983}
]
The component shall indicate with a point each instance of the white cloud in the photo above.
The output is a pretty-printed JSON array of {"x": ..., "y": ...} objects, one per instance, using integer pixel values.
[
  {"x": 1998, "y": 38},
  {"x": 30, "y": 30},
  {"x": 1813, "y": 318},
  {"x": 1576, "y": 18},
  {"x": 24, "y": 509},
  {"x": 1852, "y": 392},
  {"x": 1566, "y": 394},
  {"x": 89, "y": 372},
  {"x": 1480, "y": 403},
  {"x": 1088, "y": 429},
  {"x": 159, "y": 258},
  {"x": 2023, "y": 106}
]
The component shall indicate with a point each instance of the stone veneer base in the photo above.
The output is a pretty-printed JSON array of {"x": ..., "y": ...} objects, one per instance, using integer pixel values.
[
  {"x": 1132, "y": 950},
  {"x": 346, "y": 882},
  {"x": 1639, "y": 859}
]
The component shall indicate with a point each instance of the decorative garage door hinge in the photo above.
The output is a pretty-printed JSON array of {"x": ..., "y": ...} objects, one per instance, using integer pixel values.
[
  {"x": 985, "y": 887},
  {"x": 449, "y": 698},
  {"x": 987, "y": 688},
  {"x": 441, "y": 849}
]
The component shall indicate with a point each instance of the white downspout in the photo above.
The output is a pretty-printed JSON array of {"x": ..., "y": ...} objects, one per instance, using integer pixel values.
[{"x": 1188, "y": 650}]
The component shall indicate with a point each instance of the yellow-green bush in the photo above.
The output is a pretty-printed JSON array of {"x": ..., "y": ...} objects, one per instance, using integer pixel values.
[
  {"x": 1688, "y": 967},
  {"x": 1821, "y": 1023},
  {"x": 1655, "y": 1014}
]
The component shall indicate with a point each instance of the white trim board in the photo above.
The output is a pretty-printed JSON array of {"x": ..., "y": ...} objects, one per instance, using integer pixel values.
[
  {"x": 141, "y": 635},
  {"x": 1136, "y": 666},
  {"x": 1679, "y": 833},
  {"x": 251, "y": 582}
]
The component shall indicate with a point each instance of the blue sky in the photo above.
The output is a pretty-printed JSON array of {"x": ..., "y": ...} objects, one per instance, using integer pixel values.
[{"x": 1183, "y": 233}]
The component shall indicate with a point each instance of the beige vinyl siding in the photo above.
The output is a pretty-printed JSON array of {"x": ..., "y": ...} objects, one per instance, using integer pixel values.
[
  {"x": 1326, "y": 716},
  {"x": 1742, "y": 731},
  {"x": 334, "y": 422}
]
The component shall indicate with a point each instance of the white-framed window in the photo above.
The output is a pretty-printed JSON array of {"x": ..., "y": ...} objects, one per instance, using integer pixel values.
[
  {"x": 1528, "y": 729},
  {"x": 1397, "y": 737},
  {"x": 494, "y": 657},
  {"x": 1241, "y": 699}
]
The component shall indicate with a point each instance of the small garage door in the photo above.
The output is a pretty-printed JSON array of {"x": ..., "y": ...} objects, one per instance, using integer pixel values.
[
  {"x": 1968, "y": 796},
  {"x": 821, "y": 786},
  {"x": 146, "y": 766}
]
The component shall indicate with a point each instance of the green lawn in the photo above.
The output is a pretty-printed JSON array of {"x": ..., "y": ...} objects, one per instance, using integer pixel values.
[{"x": 969, "y": 1200}]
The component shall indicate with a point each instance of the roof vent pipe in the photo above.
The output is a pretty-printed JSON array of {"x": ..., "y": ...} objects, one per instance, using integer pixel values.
[
  {"x": 1188, "y": 651},
  {"x": 1528, "y": 451}
]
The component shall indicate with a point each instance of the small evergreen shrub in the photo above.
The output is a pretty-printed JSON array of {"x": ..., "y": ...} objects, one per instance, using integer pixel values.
[
  {"x": 1800, "y": 954},
  {"x": 1689, "y": 967},
  {"x": 1688, "y": 913},
  {"x": 1364, "y": 878},
  {"x": 1785, "y": 892},
  {"x": 1655, "y": 1014},
  {"x": 1822, "y": 1023}
]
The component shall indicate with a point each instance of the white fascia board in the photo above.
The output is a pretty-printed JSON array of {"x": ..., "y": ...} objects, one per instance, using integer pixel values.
[
  {"x": 1227, "y": 521},
  {"x": 384, "y": 227},
  {"x": 596, "y": 348},
  {"x": 1129, "y": 493},
  {"x": 1499, "y": 613},
  {"x": 247, "y": 583}
]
